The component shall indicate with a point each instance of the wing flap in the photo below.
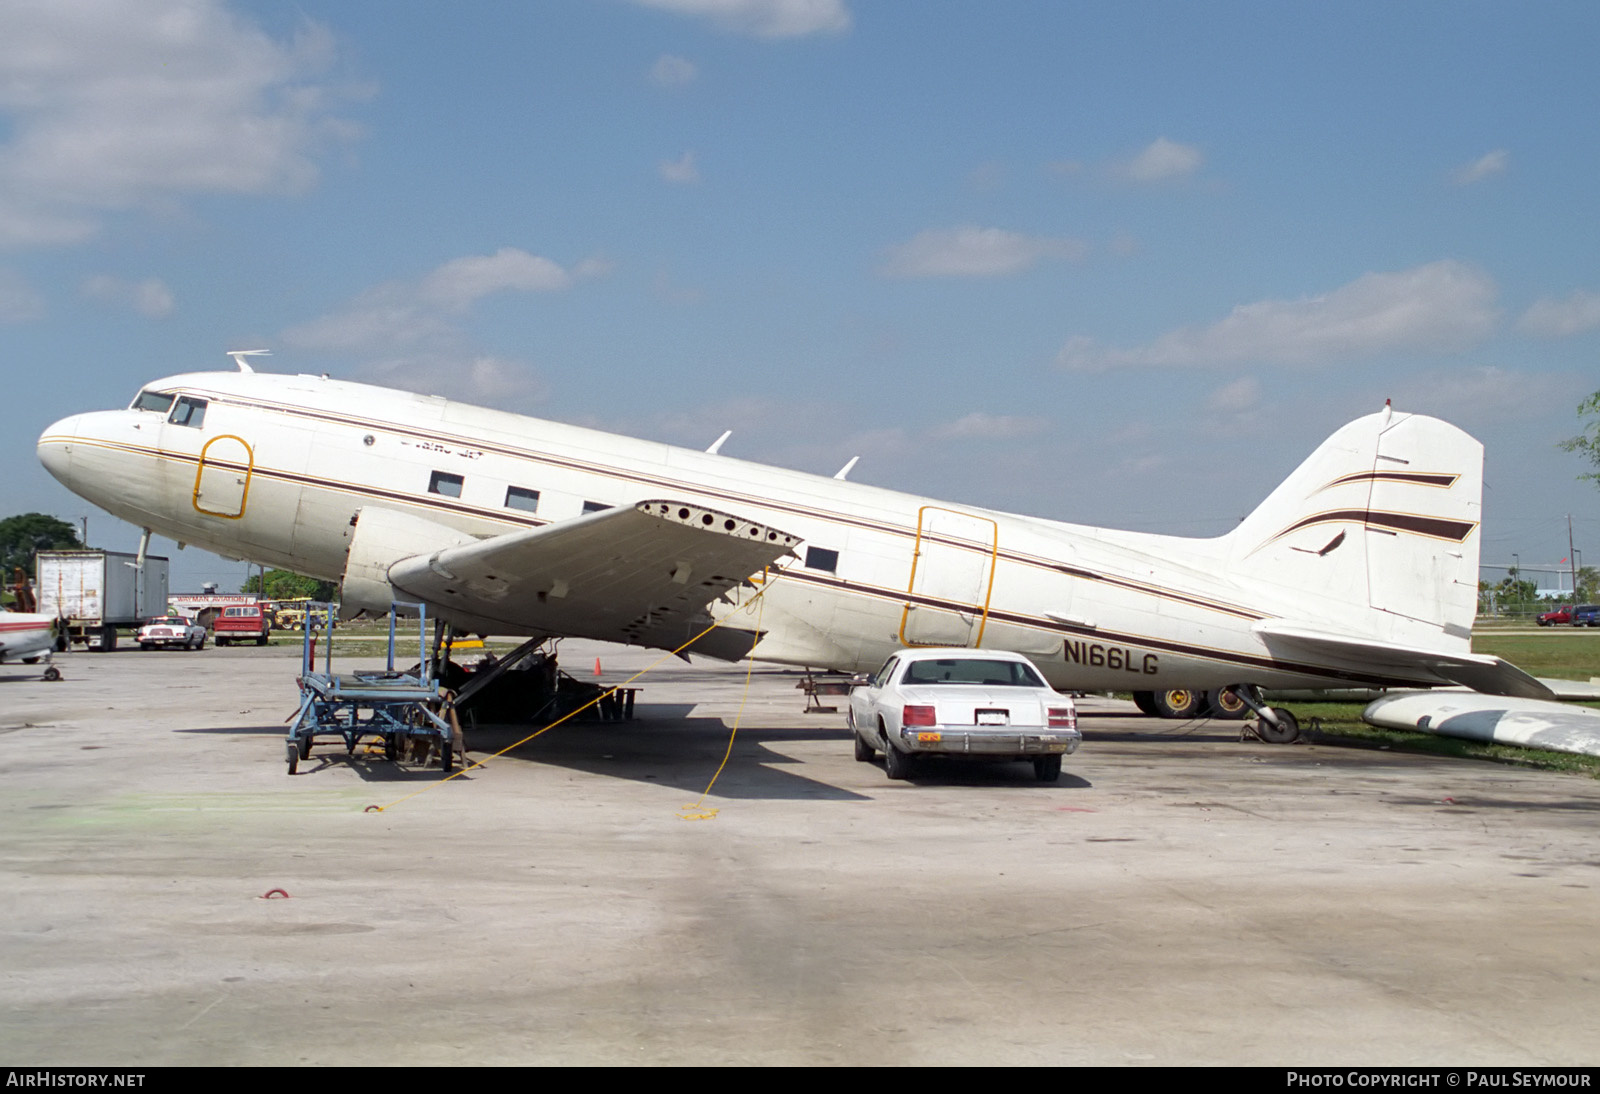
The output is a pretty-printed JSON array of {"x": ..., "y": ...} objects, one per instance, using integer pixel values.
[
  {"x": 1480, "y": 672},
  {"x": 644, "y": 574}
]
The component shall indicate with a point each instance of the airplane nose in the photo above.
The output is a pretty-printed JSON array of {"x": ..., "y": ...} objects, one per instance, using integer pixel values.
[{"x": 55, "y": 448}]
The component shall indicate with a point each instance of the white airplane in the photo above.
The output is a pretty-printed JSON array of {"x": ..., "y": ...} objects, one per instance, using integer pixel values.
[
  {"x": 1360, "y": 569},
  {"x": 27, "y": 637}
]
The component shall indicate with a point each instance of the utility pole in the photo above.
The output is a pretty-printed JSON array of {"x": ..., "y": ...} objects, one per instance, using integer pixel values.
[{"x": 1572, "y": 559}]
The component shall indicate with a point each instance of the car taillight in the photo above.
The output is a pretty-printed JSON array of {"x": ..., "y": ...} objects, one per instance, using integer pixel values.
[
  {"x": 1063, "y": 718},
  {"x": 917, "y": 716}
]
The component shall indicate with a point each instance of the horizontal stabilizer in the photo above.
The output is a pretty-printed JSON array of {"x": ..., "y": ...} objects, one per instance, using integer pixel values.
[
  {"x": 1480, "y": 672},
  {"x": 1529, "y": 723}
]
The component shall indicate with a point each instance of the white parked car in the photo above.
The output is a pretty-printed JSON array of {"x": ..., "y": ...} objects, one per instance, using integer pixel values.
[
  {"x": 172, "y": 630},
  {"x": 962, "y": 702}
]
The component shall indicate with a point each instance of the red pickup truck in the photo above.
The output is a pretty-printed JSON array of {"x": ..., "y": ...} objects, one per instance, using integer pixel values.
[
  {"x": 1562, "y": 614},
  {"x": 242, "y": 623}
]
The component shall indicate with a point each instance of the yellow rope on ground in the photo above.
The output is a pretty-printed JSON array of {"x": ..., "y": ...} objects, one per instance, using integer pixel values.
[
  {"x": 738, "y": 716},
  {"x": 765, "y": 585}
]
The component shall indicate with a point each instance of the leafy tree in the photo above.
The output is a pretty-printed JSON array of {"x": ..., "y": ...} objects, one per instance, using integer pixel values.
[
  {"x": 1588, "y": 585},
  {"x": 21, "y": 536},
  {"x": 1587, "y": 443},
  {"x": 284, "y": 585}
]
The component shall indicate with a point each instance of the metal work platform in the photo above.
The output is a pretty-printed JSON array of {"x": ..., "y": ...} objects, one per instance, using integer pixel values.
[{"x": 386, "y": 704}]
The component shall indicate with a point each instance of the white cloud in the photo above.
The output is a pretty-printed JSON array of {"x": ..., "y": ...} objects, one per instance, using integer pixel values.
[
  {"x": 150, "y": 297},
  {"x": 480, "y": 378},
  {"x": 764, "y": 18},
  {"x": 970, "y": 251},
  {"x": 1559, "y": 318},
  {"x": 1483, "y": 393},
  {"x": 1436, "y": 308},
  {"x": 461, "y": 281},
  {"x": 18, "y": 302},
  {"x": 682, "y": 170},
  {"x": 107, "y": 105},
  {"x": 404, "y": 315},
  {"x": 673, "y": 71},
  {"x": 1492, "y": 163},
  {"x": 1161, "y": 160},
  {"x": 991, "y": 427},
  {"x": 1242, "y": 395}
]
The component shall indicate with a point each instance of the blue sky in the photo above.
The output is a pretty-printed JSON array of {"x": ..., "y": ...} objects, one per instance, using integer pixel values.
[{"x": 1115, "y": 264}]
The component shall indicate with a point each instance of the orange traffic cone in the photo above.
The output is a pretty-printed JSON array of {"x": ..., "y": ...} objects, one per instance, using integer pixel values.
[{"x": 597, "y": 666}]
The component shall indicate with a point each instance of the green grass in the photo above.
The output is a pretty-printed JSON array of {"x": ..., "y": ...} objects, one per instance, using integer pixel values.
[{"x": 1557, "y": 652}]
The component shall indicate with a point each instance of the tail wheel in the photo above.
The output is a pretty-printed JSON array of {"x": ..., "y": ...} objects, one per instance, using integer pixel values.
[
  {"x": 1178, "y": 703},
  {"x": 1285, "y": 732}
]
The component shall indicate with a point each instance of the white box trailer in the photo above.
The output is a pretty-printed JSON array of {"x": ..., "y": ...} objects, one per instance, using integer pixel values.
[{"x": 93, "y": 592}]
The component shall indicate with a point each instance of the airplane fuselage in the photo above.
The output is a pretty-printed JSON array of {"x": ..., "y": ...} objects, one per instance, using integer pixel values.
[{"x": 276, "y": 469}]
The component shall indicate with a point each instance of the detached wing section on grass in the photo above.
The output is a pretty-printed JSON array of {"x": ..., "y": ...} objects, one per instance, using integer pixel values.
[{"x": 644, "y": 574}]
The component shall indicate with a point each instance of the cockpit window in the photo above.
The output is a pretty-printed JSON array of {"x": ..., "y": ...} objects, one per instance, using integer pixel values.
[
  {"x": 158, "y": 401},
  {"x": 189, "y": 411}
]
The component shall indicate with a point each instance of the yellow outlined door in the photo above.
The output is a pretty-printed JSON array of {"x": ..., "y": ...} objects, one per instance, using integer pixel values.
[
  {"x": 952, "y": 578},
  {"x": 222, "y": 478}
]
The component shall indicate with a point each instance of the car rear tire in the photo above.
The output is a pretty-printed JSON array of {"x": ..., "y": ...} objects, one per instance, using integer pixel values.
[
  {"x": 896, "y": 764},
  {"x": 864, "y": 751},
  {"x": 1047, "y": 769}
]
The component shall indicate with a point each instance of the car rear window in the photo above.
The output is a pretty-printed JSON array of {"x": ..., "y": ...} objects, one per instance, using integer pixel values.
[{"x": 967, "y": 670}]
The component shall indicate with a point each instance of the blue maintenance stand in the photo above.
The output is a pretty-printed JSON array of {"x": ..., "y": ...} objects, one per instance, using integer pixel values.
[{"x": 386, "y": 704}]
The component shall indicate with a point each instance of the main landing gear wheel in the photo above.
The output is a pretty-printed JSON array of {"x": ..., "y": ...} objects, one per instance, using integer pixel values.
[
  {"x": 1225, "y": 703},
  {"x": 1179, "y": 703},
  {"x": 1047, "y": 769},
  {"x": 1146, "y": 702},
  {"x": 1286, "y": 732},
  {"x": 52, "y": 673}
]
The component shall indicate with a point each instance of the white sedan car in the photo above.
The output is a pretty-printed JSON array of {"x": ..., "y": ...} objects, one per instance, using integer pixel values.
[
  {"x": 962, "y": 702},
  {"x": 171, "y": 630}
]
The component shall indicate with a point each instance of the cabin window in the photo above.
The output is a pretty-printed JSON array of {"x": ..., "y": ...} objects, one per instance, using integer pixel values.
[
  {"x": 821, "y": 558},
  {"x": 445, "y": 483},
  {"x": 158, "y": 401},
  {"x": 518, "y": 497},
  {"x": 594, "y": 507},
  {"x": 189, "y": 411}
]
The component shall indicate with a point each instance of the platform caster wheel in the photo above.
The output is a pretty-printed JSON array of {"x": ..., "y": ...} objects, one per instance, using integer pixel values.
[
  {"x": 447, "y": 756},
  {"x": 294, "y": 757},
  {"x": 305, "y": 748}
]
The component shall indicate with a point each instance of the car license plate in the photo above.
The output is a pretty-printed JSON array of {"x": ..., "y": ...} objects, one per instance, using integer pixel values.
[{"x": 992, "y": 718}]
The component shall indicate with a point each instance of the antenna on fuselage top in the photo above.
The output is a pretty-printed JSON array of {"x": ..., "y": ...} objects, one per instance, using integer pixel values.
[{"x": 239, "y": 356}]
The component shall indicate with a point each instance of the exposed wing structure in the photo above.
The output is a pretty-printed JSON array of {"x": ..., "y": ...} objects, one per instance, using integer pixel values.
[
  {"x": 1480, "y": 672},
  {"x": 644, "y": 574}
]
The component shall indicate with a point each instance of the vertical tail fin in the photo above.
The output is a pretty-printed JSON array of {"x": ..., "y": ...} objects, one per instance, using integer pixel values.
[{"x": 1378, "y": 530}]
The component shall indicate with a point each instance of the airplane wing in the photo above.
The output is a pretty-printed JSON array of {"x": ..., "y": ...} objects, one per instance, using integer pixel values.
[
  {"x": 1480, "y": 672},
  {"x": 644, "y": 574}
]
